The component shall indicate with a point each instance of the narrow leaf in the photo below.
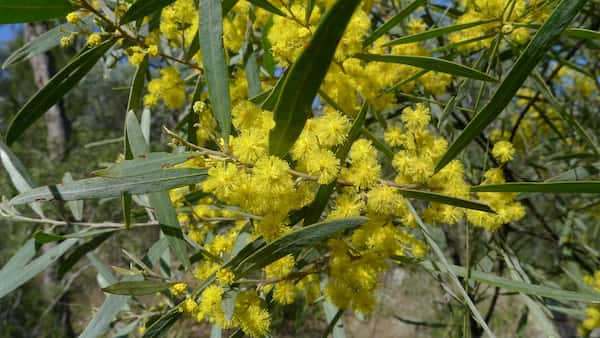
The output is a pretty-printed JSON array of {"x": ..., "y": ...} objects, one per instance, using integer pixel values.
[
  {"x": 19, "y": 259},
  {"x": 18, "y": 175},
  {"x": 290, "y": 244},
  {"x": 140, "y": 9},
  {"x": 40, "y": 44},
  {"x": 159, "y": 200},
  {"x": 101, "y": 187},
  {"x": 163, "y": 324},
  {"x": 573, "y": 187},
  {"x": 305, "y": 77},
  {"x": 444, "y": 199},
  {"x": 534, "y": 53},
  {"x": 144, "y": 164},
  {"x": 137, "y": 288},
  {"x": 15, "y": 277},
  {"x": 69, "y": 261},
  {"x": 76, "y": 207},
  {"x": 429, "y": 63},
  {"x": 581, "y": 33},
  {"x": 213, "y": 58},
  {"x": 446, "y": 266},
  {"x": 395, "y": 20},
  {"x": 55, "y": 89},
  {"x": 436, "y": 32}
]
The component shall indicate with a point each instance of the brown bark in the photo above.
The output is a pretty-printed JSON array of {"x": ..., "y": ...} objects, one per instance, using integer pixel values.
[{"x": 57, "y": 123}]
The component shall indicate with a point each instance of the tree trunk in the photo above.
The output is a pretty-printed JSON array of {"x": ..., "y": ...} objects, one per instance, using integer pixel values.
[
  {"x": 57, "y": 123},
  {"x": 58, "y": 130}
]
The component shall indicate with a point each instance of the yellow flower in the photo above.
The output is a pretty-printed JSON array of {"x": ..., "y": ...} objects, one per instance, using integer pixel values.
[
  {"x": 94, "y": 40},
  {"x": 503, "y": 151},
  {"x": 178, "y": 289},
  {"x": 225, "y": 276}
]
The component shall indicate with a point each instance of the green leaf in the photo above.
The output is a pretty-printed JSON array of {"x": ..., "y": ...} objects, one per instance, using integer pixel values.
[
  {"x": 578, "y": 173},
  {"x": 169, "y": 224},
  {"x": 55, "y": 89},
  {"x": 429, "y": 63},
  {"x": 18, "y": 175},
  {"x": 290, "y": 244},
  {"x": 140, "y": 9},
  {"x": 100, "y": 324},
  {"x": 573, "y": 187},
  {"x": 444, "y": 199},
  {"x": 581, "y": 33},
  {"x": 69, "y": 261},
  {"x": 159, "y": 200},
  {"x": 333, "y": 316},
  {"x": 135, "y": 136},
  {"x": 252, "y": 73},
  {"x": 228, "y": 5},
  {"x": 269, "y": 101},
  {"x": 137, "y": 288},
  {"x": 391, "y": 23},
  {"x": 434, "y": 33},
  {"x": 76, "y": 207},
  {"x": 20, "y": 258},
  {"x": 163, "y": 324},
  {"x": 144, "y": 164},
  {"x": 15, "y": 11},
  {"x": 112, "y": 305},
  {"x": 40, "y": 44},
  {"x": 267, "y": 57},
  {"x": 136, "y": 93},
  {"x": 447, "y": 268},
  {"x": 16, "y": 275},
  {"x": 101, "y": 187},
  {"x": 528, "y": 288},
  {"x": 534, "y": 53},
  {"x": 267, "y": 6},
  {"x": 305, "y": 77},
  {"x": 215, "y": 66},
  {"x": 215, "y": 331}
]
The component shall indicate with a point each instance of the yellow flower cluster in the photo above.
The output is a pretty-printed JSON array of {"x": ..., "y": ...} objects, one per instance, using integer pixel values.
[
  {"x": 179, "y": 22},
  {"x": 503, "y": 151},
  {"x": 169, "y": 88},
  {"x": 503, "y": 203},
  {"x": 592, "y": 321}
]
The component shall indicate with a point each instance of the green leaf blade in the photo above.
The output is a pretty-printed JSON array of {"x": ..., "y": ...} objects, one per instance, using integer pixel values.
[
  {"x": 137, "y": 288},
  {"x": 290, "y": 243},
  {"x": 535, "y": 51},
  {"x": 305, "y": 77},
  {"x": 429, "y": 63},
  {"x": 142, "y": 8},
  {"x": 213, "y": 58},
  {"x": 55, "y": 89},
  {"x": 555, "y": 187},
  {"x": 100, "y": 187}
]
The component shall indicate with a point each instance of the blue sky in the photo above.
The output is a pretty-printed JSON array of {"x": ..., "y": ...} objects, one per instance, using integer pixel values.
[{"x": 7, "y": 32}]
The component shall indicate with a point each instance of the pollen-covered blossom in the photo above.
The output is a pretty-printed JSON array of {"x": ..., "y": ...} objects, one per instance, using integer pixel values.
[
  {"x": 179, "y": 22},
  {"x": 94, "y": 39},
  {"x": 178, "y": 289},
  {"x": 503, "y": 151},
  {"x": 592, "y": 320},
  {"x": 169, "y": 88},
  {"x": 503, "y": 203}
]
